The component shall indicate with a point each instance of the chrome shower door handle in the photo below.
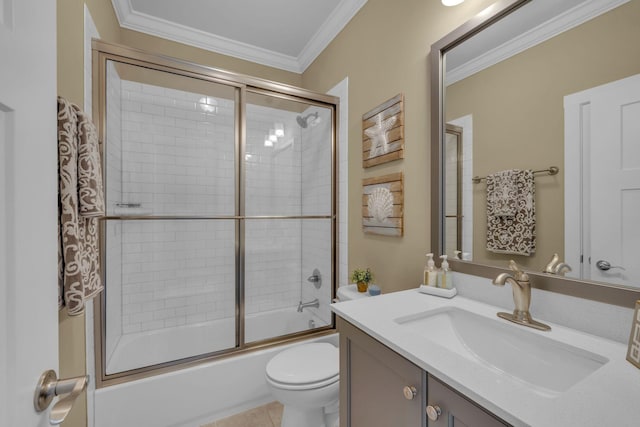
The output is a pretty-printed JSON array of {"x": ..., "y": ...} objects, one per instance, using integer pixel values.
[
  {"x": 603, "y": 265},
  {"x": 50, "y": 386}
]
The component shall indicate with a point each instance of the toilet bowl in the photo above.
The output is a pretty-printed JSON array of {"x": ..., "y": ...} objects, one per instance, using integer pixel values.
[{"x": 305, "y": 379}]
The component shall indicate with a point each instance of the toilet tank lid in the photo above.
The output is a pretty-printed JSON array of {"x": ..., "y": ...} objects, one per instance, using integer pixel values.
[
  {"x": 350, "y": 292},
  {"x": 304, "y": 364}
]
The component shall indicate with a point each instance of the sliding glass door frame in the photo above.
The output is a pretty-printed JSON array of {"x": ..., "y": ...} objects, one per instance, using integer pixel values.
[{"x": 243, "y": 85}]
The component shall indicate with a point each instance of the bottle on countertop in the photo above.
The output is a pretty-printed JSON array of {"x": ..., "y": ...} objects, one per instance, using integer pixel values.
[
  {"x": 430, "y": 277},
  {"x": 445, "y": 278}
]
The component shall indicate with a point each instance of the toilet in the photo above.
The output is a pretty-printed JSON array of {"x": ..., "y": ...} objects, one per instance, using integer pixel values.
[{"x": 305, "y": 379}]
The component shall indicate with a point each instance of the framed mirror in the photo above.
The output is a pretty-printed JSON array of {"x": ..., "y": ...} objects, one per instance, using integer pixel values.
[{"x": 521, "y": 87}]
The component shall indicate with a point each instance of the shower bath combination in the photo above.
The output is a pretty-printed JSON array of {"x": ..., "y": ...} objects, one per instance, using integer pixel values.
[{"x": 196, "y": 204}]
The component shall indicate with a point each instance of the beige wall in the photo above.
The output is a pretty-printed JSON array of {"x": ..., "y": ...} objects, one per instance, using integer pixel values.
[
  {"x": 70, "y": 41},
  {"x": 518, "y": 116},
  {"x": 384, "y": 51},
  {"x": 70, "y": 51}
]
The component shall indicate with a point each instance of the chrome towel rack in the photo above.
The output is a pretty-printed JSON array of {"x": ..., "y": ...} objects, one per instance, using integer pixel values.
[{"x": 551, "y": 170}]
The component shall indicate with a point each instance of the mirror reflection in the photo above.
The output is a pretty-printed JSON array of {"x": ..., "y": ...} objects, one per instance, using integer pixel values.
[{"x": 518, "y": 99}]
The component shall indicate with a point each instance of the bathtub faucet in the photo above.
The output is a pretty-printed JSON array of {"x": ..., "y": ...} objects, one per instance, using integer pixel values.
[{"x": 301, "y": 305}]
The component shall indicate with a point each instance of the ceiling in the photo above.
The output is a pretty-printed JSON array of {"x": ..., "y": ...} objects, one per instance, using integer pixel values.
[
  {"x": 285, "y": 34},
  {"x": 533, "y": 23}
]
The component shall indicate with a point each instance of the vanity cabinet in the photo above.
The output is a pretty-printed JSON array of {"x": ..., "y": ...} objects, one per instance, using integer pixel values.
[
  {"x": 453, "y": 409},
  {"x": 374, "y": 381},
  {"x": 380, "y": 388}
]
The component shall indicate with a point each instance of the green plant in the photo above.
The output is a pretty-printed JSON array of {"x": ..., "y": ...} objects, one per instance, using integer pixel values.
[{"x": 361, "y": 276}]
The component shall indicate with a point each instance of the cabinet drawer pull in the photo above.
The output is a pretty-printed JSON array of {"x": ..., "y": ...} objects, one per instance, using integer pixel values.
[
  {"x": 409, "y": 392},
  {"x": 433, "y": 412}
]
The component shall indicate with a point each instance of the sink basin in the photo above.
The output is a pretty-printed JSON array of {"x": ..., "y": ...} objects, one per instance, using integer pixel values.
[{"x": 550, "y": 366}]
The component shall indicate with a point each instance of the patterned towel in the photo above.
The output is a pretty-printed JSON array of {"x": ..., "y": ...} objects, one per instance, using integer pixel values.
[
  {"x": 80, "y": 204},
  {"x": 502, "y": 192},
  {"x": 515, "y": 233}
]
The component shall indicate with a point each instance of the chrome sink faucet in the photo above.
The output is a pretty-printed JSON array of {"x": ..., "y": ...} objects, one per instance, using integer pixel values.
[
  {"x": 301, "y": 305},
  {"x": 521, "y": 286}
]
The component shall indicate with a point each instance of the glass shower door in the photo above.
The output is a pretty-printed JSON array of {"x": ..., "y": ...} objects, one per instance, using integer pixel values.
[
  {"x": 288, "y": 206},
  {"x": 170, "y": 233},
  {"x": 220, "y": 224}
]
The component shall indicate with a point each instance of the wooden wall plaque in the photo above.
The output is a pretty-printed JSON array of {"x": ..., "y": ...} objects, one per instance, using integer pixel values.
[
  {"x": 383, "y": 133},
  {"x": 383, "y": 205}
]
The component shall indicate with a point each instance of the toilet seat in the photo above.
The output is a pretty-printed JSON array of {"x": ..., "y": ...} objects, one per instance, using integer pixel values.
[{"x": 305, "y": 366}]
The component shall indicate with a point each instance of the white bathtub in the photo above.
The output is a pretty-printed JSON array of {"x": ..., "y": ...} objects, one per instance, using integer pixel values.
[
  {"x": 132, "y": 351},
  {"x": 201, "y": 394}
]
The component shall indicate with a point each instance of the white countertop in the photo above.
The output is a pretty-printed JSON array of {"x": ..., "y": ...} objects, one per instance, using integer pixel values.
[{"x": 607, "y": 397}]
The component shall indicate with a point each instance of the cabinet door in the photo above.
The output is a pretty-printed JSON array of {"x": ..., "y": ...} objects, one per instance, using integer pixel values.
[
  {"x": 457, "y": 410},
  {"x": 372, "y": 383}
]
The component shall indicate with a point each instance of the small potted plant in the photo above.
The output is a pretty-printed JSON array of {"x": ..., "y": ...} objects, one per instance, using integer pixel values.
[{"x": 362, "y": 278}]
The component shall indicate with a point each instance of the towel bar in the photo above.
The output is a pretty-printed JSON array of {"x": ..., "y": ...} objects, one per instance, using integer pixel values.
[{"x": 552, "y": 170}]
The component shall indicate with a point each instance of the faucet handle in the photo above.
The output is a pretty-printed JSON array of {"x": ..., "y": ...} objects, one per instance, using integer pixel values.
[
  {"x": 551, "y": 266},
  {"x": 519, "y": 274}
]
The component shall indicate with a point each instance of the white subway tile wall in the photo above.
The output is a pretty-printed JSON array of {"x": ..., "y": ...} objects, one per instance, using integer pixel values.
[
  {"x": 177, "y": 273},
  {"x": 272, "y": 264},
  {"x": 172, "y": 153},
  {"x": 177, "y": 158},
  {"x": 273, "y": 174},
  {"x": 316, "y": 200},
  {"x": 272, "y": 187}
]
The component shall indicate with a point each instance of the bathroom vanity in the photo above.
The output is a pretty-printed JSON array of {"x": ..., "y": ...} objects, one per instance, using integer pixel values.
[
  {"x": 382, "y": 388},
  {"x": 409, "y": 359}
]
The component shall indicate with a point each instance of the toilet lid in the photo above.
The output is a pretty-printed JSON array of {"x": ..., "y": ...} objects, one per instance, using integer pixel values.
[{"x": 305, "y": 364}]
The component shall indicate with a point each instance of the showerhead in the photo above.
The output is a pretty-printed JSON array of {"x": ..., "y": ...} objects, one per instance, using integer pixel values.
[
  {"x": 304, "y": 121},
  {"x": 301, "y": 121}
]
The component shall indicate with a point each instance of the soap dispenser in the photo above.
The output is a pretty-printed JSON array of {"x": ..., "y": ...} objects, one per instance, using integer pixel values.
[
  {"x": 430, "y": 277},
  {"x": 445, "y": 279}
]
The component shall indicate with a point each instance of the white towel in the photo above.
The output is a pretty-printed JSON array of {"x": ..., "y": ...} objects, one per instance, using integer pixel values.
[{"x": 516, "y": 233}]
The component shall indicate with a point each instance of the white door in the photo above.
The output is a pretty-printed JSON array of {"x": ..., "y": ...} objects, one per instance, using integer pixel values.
[
  {"x": 615, "y": 182},
  {"x": 602, "y": 181},
  {"x": 28, "y": 206}
]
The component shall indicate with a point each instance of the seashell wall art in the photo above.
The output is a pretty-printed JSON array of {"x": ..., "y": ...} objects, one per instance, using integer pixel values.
[
  {"x": 382, "y": 205},
  {"x": 383, "y": 133}
]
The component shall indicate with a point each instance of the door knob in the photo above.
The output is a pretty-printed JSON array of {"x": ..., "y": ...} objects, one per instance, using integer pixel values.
[
  {"x": 434, "y": 412},
  {"x": 50, "y": 386},
  {"x": 606, "y": 265},
  {"x": 409, "y": 392}
]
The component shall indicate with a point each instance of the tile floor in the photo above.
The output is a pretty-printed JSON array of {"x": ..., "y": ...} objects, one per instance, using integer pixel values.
[{"x": 269, "y": 415}]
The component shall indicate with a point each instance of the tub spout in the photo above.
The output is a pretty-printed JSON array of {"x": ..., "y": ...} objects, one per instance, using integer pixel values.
[{"x": 302, "y": 305}]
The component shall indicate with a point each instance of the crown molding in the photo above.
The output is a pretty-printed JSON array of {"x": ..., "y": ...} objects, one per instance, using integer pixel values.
[
  {"x": 339, "y": 18},
  {"x": 559, "y": 24},
  {"x": 335, "y": 23}
]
